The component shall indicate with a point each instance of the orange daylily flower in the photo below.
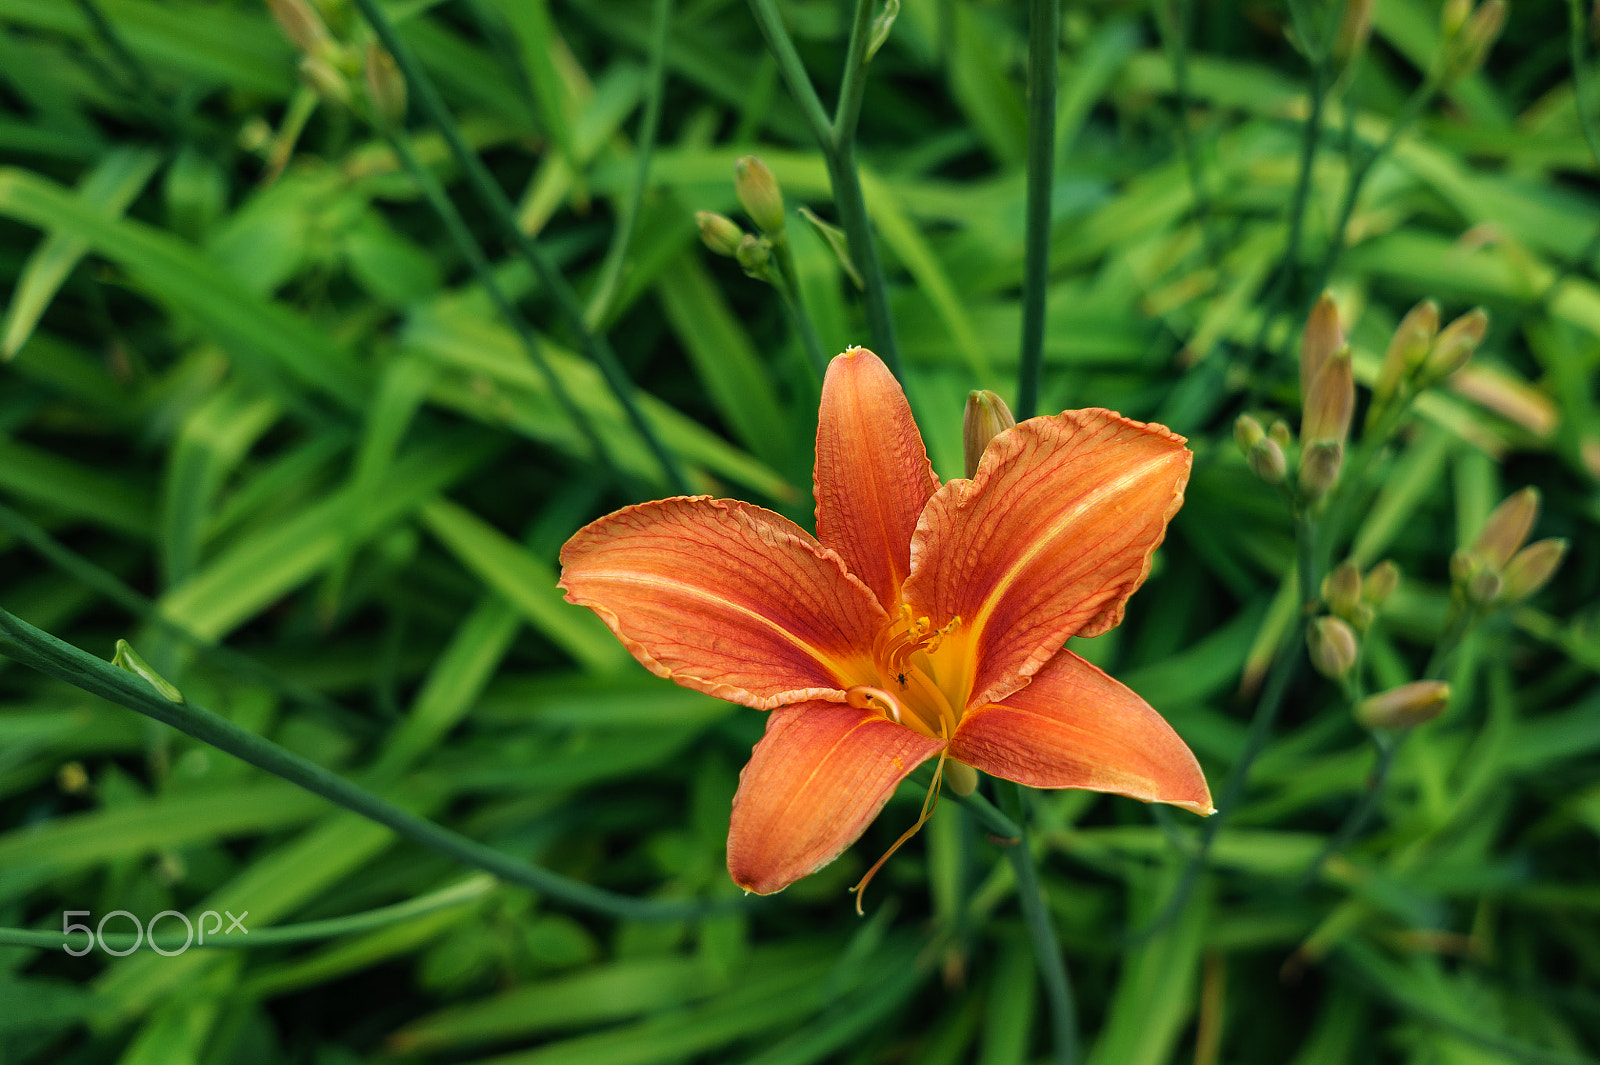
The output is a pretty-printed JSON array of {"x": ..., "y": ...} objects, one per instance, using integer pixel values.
[{"x": 922, "y": 620}]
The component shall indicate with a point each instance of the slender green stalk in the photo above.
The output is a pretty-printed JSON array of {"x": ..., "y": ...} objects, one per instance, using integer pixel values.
[
  {"x": 469, "y": 890},
  {"x": 1385, "y": 748},
  {"x": 788, "y": 286},
  {"x": 1042, "y": 934},
  {"x": 1414, "y": 106},
  {"x": 134, "y": 71},
  {"x": 649, "y": 124},
  {"x": 41, "y": 651},
  {"x": 470, "y": 250},
  {"x": 1262, "y": 721},
  {"x": 494, "y": 199},
  {"x": 1580, "y": 77},
  {"x": 837, "y": 140},
  {"x": 1044, "y": 33},
  {"x": 1177, "y": 23},
  {"x": 95, "y": 577}
]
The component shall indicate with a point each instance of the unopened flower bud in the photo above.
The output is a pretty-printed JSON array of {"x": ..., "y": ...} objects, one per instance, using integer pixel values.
[
  {"x": 758, "y": 193},
  {"x": 1322, "y": 337},
  {"x": 386, "y": 88},
  {"x": 1477, "y": 37},
  {"x": 1380, "y": 583},
  {"x": 1333, "y": 646},
  {"x": 1453, "y": 16},
  {"x": 754, "y": 253},
  {"x": 1484, "y": 586},
  {"x": 719, "y": 233},
  {"x": 72, "y": 778},
  {"x": 1404, "y": 707},
  {"x": 1341, "y": 589},
  {"x": 1330, "y": 401},
  {"x": 1319, "y": 468},
  {"x": 1531, "y": 569},
  {"x": 1455, "y": 344},
  {"x": 1362, "y": 615},
  {"x": 1247, "y": 432},
  {"x": 960, "y": 777},
  {"x": 1267, "y": 462},
  {"x": 1355, "y": 26},
  {"x": 1462, "y": 566},
  {"x": 301, "y": 24},
  {"x": 986, "y": 417},
  {"x": 1408, "y": 348},
  {"x": 1507, "y": 528},
  {"x": 1278, "y": 433}
]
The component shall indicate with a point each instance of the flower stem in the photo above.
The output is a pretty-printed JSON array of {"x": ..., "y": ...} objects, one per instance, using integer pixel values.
[
  {"x": 469, "y": 890},
  {"x": 1044, "y": 33},
  {"x": 1042, "y": 934},
  {"x": 837, "y": 140},
  {"x": 493, "y": 197},
  {"x": 605, "y": 289},
  {"x": 41, "y": 651},
  {"x": 1177, "y": 21},
  {"x": 470, "y": 250},
  {"x": 788, "y": 286}
]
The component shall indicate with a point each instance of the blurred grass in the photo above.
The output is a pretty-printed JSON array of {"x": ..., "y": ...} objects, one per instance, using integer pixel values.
[{"x": 265, "y": 413}]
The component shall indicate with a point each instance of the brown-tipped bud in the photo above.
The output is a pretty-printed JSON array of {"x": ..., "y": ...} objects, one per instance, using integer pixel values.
[
  {"x": 1247, "y": 432},
  {"x": 386, "y": 88},
  {"x": 1341, "y": 589},
  {"x": 1333, "y": 646},
  {"x": 1507, "y": 528},
  {"x": 1408, "y": 348},
  {"x": 1404, "y": 707},
  {"x": 325, "y": 79},
  {"x": 1531, "y": 569},
  {"x": 758, "y": 193},
  {"x": 1278, "y": 433},
  {"x": 1322, "y": 337},
  {"x": 1330, "y": 401},
  {"x": 1453, "y": 16},
  {"x": 1355, "y": 26},
  {"x": 719, "y": 233},
  {"x": 754, "y": 254},
  {"x": 1267, "y": 462},
  {"x": 1484, "y": 585},
  {"x": 1380, "y": 583},
  {"x": 1455, "y": 344},
  {"x": 960, "y": 777},
  {"x": 986, "y": 417},
  {"x": 301, "y": 24},
  {"x": 1514, "y": 400},
  {"x": 1478, "y": 36},
  {"x": 1319, "y": 468}
]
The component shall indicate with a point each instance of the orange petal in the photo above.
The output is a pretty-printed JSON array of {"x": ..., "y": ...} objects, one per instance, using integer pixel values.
[
  {"x": 725, "y": 598},
  {"x": 872, "y": 473},
  {"x": 815, "y": 781},
  {"x": 1075, "y": 727},
  {"x": 1047, "y": 541}
]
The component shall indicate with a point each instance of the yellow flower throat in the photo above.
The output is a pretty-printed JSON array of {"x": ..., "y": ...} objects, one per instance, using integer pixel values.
[{"x": 924, "y": 676}]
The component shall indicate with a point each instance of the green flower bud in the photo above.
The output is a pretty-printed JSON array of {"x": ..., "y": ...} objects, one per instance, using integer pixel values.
[
  {"x": 1267, "y": 462},
  {"x": 754, "y": 253},
  {"x": 719, "y": 233},
  {"x": 386, "y": 88},
  {"x": 986, "y": 417},
  {"x": 1330, "y": 401},
  {"x": 1404, "y": 707},
  {"x": 960, "y": 777},
  {"x": 1333, "y": 646},
  {"x": 1531, "y": 569},
  {"x": 1320, "y": 463},
  {"x": 1408, "y": 348},
  {"x": 1507, "y": 528},
  {"x": 1247, "y": 432},
  {"x": 758, "y": 193},
  {"x": 1454, "y": 346},
  {"x": 1380, "y": 583},
  {"x": 1341, "y": 589}
]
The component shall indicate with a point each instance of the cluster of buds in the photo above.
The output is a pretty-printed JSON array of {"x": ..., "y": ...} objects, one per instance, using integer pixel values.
[
  {"x": 1468, "y": 34},
  {"x": 331, "y": 67},
  {"x": 1421, "y": 354},
  {"x": 1497, "y": 569},
  {"x": 762, "y": 201},
  {"x": 1352, "y": 601}
]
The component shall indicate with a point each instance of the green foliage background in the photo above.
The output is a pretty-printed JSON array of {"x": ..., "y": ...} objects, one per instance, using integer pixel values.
[{"x": 265, "y": 423}]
